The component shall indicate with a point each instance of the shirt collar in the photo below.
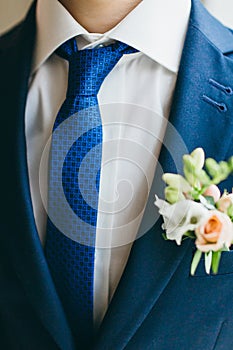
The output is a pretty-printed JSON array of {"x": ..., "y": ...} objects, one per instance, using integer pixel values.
[{"x": 157, "y": 28}]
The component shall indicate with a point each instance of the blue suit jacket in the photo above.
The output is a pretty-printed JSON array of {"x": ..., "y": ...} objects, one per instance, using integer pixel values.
[{"x": 158, "y": 305}]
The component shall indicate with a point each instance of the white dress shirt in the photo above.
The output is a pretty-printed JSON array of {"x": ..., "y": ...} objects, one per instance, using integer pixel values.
[{"x": 134, "y": 99}]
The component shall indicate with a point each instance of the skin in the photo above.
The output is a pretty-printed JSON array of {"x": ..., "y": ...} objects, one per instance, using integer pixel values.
[{"x": 99, "y": 16}]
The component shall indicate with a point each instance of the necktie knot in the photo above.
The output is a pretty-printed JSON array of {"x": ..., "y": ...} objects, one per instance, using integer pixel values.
[{"x": 88, "y": 68}]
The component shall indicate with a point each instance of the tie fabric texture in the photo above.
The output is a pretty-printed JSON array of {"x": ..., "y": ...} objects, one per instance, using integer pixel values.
[{"x": 74, "y": 176}]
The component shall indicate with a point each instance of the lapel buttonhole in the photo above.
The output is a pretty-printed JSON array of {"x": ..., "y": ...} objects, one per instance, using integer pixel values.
[
  {"x": 226, "y": 89},
  {"x": 222, "y": 107}
]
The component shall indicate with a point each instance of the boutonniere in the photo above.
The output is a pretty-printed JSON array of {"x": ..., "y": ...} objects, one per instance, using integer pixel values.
[{"x": 195, "y": 209}]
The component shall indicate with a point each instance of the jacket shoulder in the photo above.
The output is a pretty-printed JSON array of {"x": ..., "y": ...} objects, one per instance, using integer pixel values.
[{"x": 215, "y": 32}]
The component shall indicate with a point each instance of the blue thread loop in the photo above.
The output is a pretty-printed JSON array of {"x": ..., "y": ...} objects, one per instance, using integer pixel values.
[
  {"x": 220, "y": 106},
  {"x": 226, "y": 89}
]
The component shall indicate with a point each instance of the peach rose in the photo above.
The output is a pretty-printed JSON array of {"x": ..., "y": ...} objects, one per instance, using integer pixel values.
[
  {"x": 213, "y": 191},
  {"x": 215, "y": 232},
  {"x": 224, "y": 202}
]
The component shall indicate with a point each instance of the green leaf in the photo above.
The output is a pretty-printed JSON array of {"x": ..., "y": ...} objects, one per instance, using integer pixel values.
[
  {"x": 164, "y": 237},
  {"x": 208, "y": 262},
  {"x": 195, "y": 194},
  {"x": 190, "y": 234},
  {"x": 210, "y": 200},
  {"x": 230, "y": 212},
  {"x": 195, "y": 262},
  {"x": 206, "y": 203},
  {"x": 230, "y": 163},
  {"x": 216, "y": 257}
]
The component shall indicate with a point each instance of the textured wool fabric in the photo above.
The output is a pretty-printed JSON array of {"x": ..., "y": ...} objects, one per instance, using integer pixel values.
[{"x": 70, "y": 244}]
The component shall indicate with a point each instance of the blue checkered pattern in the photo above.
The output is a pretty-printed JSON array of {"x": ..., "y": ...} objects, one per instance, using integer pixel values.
[{"x": 70, "y": 253}]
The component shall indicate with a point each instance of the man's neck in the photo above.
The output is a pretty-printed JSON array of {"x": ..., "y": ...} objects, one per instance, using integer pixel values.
[{"x": 99, "y": 16}]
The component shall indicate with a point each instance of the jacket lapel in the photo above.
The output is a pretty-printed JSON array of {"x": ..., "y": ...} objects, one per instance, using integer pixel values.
[
  {"x": 200, "y": 117},
  {"x": 22, "y": 241}
]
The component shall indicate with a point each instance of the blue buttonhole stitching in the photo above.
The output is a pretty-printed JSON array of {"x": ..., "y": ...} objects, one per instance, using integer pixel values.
[
  {"x": 220, "y": 106},
  {"x": 226, "y": 89}
]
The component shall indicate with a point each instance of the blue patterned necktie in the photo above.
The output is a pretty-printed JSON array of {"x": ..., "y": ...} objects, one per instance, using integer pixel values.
[{"x": 74, "y": 182}]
